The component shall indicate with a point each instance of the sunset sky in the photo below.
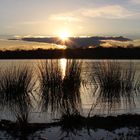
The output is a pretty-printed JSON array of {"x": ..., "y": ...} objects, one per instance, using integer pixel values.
[{"x": 77, "y": 17}]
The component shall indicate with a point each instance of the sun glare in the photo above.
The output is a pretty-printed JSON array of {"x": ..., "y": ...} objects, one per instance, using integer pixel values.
[{"x": 64, "y": 35}]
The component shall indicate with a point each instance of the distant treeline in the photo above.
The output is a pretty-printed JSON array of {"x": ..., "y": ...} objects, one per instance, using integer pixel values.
[{"x": 96, "y": 53}]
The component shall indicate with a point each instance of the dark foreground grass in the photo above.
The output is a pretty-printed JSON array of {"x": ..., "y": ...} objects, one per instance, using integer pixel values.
[
  {"x": 78, "y": 122},
  {"x": 110, "y": 123}
]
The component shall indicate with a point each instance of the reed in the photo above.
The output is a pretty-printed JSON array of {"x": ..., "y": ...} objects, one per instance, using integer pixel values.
[
  {"x": 16, "y": 87},
  {"x": 107, "y": 75},
  {"x": 50, "y": 77},
  {"x": 21, "y": 111},
  {"x": 60, "y": 93},
  {"x": 71, "y": 100},
  {"x": 114, "y": 83},
  {"x": 111, "y": 76}
]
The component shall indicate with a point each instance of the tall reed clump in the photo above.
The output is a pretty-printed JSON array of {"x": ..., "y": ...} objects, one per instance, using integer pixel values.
[
  {"x": 60, "y": 93},
  {"x": 50, "y": 77},
  {"x": 114, "y": 82},
  {"x": 107, "y": 75},
  {"x": 16, "y": 87},
  {"x": 71, "y": 101}
]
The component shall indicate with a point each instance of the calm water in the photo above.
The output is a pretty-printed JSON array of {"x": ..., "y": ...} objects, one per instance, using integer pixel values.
[
  {"x": 86, "y": 92},
  {"x": 87, "y": 100}
]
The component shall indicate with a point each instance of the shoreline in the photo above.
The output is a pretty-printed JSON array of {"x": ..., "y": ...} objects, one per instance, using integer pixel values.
[
  {"x": 96, "y": 53},
  {"x": 107, "y": 123}
]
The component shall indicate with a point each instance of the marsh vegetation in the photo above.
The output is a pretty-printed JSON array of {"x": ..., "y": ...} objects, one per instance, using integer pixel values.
[
  {"x": 114, "y": 84},
  {"x": 59, "y": 91}
]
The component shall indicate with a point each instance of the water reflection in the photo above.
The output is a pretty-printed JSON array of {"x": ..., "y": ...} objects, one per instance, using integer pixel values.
[
  {"x": 63, "y": 63},
  {"x": 116, "y": 86},
  {"x": 50, "y": 77},
  {"x": 60, "y": 83},
  {"x": 16, "y": 86},
  {"x": 71, "y": 100},
  {"x": 113, "y": 85},
  {"x": 61, "y": 91}
]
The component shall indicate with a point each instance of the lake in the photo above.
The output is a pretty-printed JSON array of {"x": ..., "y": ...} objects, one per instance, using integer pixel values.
[
  {"x": 88, "y": 93},
  {"x": 87, "y": 96}
]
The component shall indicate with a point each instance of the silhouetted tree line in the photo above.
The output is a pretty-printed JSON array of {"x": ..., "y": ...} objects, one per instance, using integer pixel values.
[{"x": 96, "y": 53}]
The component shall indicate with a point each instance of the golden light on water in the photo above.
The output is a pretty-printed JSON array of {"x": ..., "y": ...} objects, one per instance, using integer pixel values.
[{"x": 63, "y": 63}]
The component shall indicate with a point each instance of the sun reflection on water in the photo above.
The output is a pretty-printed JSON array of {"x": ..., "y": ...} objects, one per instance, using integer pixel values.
[{"x": 63, "y": 63}]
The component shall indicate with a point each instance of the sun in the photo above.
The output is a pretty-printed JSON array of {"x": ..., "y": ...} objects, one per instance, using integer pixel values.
[{"x": 64, "y": 35}]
